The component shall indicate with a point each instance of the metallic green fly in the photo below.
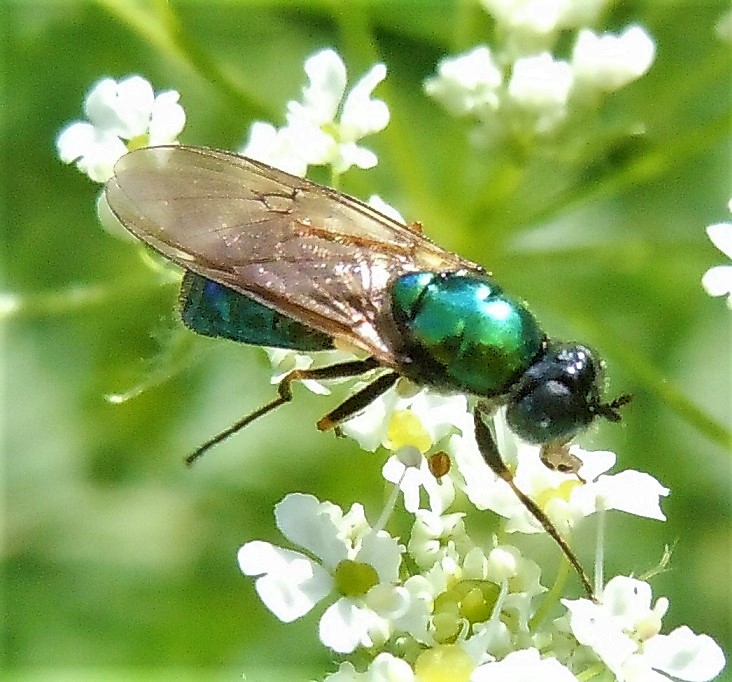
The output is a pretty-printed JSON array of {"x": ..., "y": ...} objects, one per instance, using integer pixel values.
[{"x": 273, "y": 259}]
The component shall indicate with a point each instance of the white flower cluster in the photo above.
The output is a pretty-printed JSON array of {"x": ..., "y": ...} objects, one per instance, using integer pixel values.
[
  {"x": 122, "y": 116},
  {"x": 325, "y": 127},
  {"x": 322, "y": 129},
  {"x": 519, "y": 86},
  {"x": 444, "y": 606},
  {"x": 717, "y": 281}
]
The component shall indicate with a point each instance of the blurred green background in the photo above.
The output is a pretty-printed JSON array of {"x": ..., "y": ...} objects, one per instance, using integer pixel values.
[{"x": 117, "y": 561}]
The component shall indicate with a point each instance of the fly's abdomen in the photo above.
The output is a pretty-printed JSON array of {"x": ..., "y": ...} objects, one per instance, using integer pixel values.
[
  {"x": 463, "y": 333},
  {"x": 211, "y": 309}
]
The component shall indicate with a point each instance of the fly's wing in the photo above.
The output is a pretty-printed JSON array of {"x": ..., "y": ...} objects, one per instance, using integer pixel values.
[{"x": 307, "y": 251}]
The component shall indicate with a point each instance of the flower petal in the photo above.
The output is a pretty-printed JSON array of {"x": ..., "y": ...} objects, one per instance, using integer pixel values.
[
  {"x": 95, "y": 151},
  {"x": 685, "y": 655},
  {"x": 388, "y": 668},
  {"x": 289, "y": 584},
  {"x": 717, "y": 281},
  {"x": 361, "y": 115},
  {"x": 167, "y": 118},
  {"x": 634, "y": 492},
  {"x": 384, "y": 553},
  {"x": 327, "y": 74},
  {"x": 346, "y": 625},
  {"x": 305, "y": 521},
  {"x": 122, "y": 108},
  {"x": 525, "y": 665},
  {"x": 721, "y": 236}
]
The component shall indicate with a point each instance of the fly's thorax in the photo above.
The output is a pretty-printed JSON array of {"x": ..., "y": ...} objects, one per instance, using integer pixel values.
[
  {"x": 558, "y": 396},
  {"x": 462, "y": 332}
]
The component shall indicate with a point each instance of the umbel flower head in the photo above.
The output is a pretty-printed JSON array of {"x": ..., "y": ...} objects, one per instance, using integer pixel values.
[
  {"x": 519, "y": 87},
  {"x": 454, "y": 606}
]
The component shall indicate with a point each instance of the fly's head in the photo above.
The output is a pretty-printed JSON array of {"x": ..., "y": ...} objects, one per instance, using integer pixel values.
[{"x": 559, "y": 396}]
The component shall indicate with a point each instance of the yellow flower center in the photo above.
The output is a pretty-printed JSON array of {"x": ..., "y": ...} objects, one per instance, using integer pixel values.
[
  {"x": 562, "y": 492},
  {"x": 405, "y": 428},
  {"x": 354, "y": 579}
]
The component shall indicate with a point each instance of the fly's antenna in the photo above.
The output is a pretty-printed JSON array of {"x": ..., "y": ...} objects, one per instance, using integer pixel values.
[{"x": 610, "y": 411}]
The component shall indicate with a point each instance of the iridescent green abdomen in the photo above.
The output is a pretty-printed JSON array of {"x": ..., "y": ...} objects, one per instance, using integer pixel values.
[
  {"x": 211, "y": 309},
  {"x": 463, "y": 333}
]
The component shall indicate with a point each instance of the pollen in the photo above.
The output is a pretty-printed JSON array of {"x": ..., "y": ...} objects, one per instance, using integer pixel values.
[{"x": 405, "y": 428}]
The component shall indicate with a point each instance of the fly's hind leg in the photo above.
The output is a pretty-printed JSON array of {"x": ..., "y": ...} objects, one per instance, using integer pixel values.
[{"x": 284, "y": 395}]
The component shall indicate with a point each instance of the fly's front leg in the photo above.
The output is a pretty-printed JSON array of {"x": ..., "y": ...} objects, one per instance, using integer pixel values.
[{"x": 489, "y": 450}]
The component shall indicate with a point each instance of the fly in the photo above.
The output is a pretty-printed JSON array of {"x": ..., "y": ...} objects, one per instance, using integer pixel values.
[{"x": 276, "y": 260}]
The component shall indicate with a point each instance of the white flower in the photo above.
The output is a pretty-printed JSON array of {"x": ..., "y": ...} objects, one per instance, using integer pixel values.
[
  {"x": 505, "y": 566},
  {"x": 325, "y": 127},
  {"x": 362, "y": 566},
  {"x": 717, "y": 281},
  {"x": 541, "y": 85},
  {"x": 435, "y": 535},
  {"x": 525, "y": 665},
  {"x": 609, "y": 62},
  {"x": 406, "y": 421},
  {"x": 565, "y": 498},
  {"x": 543, "y": 17},
  {"x": 623, "y": 630},
  {"x": 122, "y": 115},
  {"x": 276, "y": 147},
  {"x": 467, "y": 83},
  {"x": 406, "y": 415},
  {"x": 413, "y": 475}
]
